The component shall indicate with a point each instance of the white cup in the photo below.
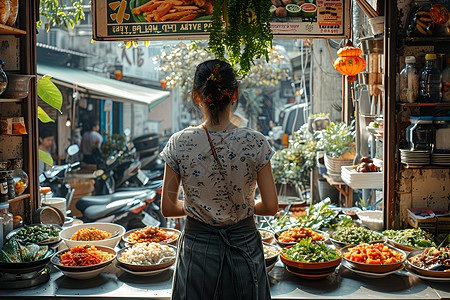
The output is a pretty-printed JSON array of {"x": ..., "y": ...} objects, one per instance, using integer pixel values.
[{"x": 56, "y": 202}]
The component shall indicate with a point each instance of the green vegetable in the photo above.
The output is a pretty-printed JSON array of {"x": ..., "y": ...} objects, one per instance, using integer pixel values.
[
  {"x": 309, "y": 252},
  {"x": 36, "y": 234},
  {"x": 15, "y": 252},
  {"x": 355, "y": 235},
  {"x": 415, "y": 237},
  {"x": 11, "y": 248},
  {"x": 4, "y": 257}
]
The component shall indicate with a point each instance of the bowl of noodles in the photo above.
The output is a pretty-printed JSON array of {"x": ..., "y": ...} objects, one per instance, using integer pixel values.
[
  {"x": 94, "y": 234},
  {"x": 85, "y": 259}
]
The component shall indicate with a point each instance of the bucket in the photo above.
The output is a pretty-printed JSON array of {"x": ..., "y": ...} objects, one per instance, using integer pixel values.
[
  {"x": 326, "y": 190},
  {"x": 56, "y": 202},
  {"x": 377, "y": 25}
]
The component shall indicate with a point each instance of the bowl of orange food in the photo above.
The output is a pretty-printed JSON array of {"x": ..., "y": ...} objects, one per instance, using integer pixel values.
[
  {"x": 83, "y": 262},
  {"x": 96, "y": 234},
  {"x": 373, "y": 257},
  {"x": 152, "y": 234},
  {"x": 291, "y": 236}
]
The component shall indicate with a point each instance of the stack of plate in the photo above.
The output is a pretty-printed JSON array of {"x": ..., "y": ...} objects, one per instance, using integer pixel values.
[
  {"x": 415, "y": 157},
  {"x": 440, "y": 159}
]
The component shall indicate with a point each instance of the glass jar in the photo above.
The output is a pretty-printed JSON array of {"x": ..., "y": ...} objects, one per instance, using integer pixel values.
[
  {"x": 431, "y": 80},
  {"x": 4, "y": 186},
  {"x": 20, "y": 177},
  {"x": 3, "y": 78},
  {"x": 420, "y": 133},
  {"x": 419, "y": 23},
  {"x": 11, "y": 184},
  {"x": 7, "y": 218},
  {"x": 441, "y": 135},
  {"x": 409, "y": 81}
]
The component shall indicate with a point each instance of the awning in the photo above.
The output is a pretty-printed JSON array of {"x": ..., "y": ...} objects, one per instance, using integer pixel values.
[{"x": 102, "y": 87}]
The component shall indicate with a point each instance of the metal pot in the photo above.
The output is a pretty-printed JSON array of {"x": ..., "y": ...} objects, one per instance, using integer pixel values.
[{"x": 371, "y": 45}]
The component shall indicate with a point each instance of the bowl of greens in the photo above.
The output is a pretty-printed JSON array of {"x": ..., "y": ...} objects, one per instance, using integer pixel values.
[
  {"x": 354, "y": 235},
  {"x": 409, "y": 239},
  {"x": 311, "y": 260},
  {"x": 41, "y": 234},
  {"x": 16, "y": 257}
]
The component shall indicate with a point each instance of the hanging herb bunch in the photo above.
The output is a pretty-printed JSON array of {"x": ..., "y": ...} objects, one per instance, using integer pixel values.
[{"x": 246, "y": 36}]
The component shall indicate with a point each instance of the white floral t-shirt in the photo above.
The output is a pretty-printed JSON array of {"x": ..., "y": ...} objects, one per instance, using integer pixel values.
[{"x": 214, "y": 195}]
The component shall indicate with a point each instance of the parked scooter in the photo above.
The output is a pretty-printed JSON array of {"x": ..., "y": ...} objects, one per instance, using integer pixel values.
[
  {"x": 130, "y": 206},
  {"x": 125, "y": 208},
  {"x": 55, "y": 177}
]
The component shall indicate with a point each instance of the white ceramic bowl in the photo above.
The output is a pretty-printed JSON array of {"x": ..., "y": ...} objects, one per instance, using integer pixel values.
[
  {"x": 371, "y": 218},
  {"x": 83, "y": 275},
  {"x": 108, "y": 227}
]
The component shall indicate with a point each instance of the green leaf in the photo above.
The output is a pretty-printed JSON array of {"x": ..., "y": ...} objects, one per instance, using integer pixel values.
[
  {"x": 49, "y": 93},
  {"x": 45, "y": 158},
  {"x": 43, "y": 116}
]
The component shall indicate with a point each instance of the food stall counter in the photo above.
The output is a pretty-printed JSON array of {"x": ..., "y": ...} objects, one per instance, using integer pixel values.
[{"x": 114, "y": 283}]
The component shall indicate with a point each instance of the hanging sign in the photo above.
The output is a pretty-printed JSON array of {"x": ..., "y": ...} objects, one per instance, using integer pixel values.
[
  {"x": 310, "y": 19},
  {"x": 133, "y": 20}
]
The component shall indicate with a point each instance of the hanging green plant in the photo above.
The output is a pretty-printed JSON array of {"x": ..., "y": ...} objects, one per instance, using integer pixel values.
[{"x": 241, "y": 30}]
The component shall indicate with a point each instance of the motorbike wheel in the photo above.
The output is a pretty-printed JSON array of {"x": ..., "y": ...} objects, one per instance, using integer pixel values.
[{"x": 158, "y": 216}]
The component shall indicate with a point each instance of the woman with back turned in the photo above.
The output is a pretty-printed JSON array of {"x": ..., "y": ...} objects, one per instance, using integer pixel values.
[{"x": 220, "y": 253}]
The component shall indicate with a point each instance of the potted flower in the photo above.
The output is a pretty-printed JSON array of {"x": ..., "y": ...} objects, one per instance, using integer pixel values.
[
  {"x": 337, "y": 140},
  {"x": 291, "y": 167}
]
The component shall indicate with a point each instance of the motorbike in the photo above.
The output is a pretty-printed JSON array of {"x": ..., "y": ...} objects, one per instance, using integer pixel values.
[
  {"x": 119, "y": 179},
  {"x": 55, "y": 176},
  {"x": 124, "y": 207}
]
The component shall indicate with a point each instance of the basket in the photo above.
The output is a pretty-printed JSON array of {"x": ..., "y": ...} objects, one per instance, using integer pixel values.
[{"x": 334, "y": 165}]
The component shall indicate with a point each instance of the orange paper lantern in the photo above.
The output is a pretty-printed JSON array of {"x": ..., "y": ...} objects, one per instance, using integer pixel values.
[{"x": 349, "y": 63}]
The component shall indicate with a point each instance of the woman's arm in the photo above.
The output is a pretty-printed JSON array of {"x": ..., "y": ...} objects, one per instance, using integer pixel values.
[
  {"x": 268, "y": 206},
  {"x": 171, "y": 207}
]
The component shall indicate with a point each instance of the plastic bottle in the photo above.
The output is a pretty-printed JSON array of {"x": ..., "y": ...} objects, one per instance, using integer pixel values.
[
  {"x": 431, "y": 80},
  {"x": 409, "y": 81},
  {"x": 446, "y": 82}
]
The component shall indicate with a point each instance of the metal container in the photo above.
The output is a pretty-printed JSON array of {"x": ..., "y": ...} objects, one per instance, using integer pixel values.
[
  {"x": 17, "y": 86},
  {"x": 370, "y": 45}
]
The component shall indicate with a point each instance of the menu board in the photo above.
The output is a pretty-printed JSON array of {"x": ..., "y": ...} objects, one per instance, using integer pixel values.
[
  {"x": 123, "y": 20},
  {"x": 313, "y": 18}
]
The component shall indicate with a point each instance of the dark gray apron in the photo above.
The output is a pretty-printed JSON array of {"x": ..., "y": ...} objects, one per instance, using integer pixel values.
[{"x": 220, "y": 263}]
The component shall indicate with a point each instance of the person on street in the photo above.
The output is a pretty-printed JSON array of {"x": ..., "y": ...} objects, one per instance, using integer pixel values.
[
  {"x": 46, "y": 140},
  {"x": 220, "y": 253},
  {"x": 91, "y": 138}
]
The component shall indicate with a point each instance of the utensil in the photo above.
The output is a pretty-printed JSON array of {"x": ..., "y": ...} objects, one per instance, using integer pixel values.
[
  {"x": 116, "y": 233},
  {"x": 439, "y": 267},
  {"x": 444, "y": 241},
  {"x": 270, "y": 225},
  {"x": 49, "y": 240}
]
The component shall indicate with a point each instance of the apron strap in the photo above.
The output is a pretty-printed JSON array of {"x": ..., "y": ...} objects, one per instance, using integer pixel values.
[{"x": 212, "y": 147}]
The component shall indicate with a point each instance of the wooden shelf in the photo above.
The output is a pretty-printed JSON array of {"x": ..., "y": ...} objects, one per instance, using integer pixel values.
[
  {"x": 4, "y": 29},
  {"x": 441, "y": 104},
  {"x": 19, "y": 198},
  {"x": 8, "y": 100},
  {"x": 426, "y": 167},
  {"x": 13, "y": 134},
  {"x": 415, "y": 40}
]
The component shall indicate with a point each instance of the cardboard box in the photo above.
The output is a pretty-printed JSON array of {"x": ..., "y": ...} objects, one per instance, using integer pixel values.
[
  {"x": 443, "y": 219},
  {"x": 422, "y": 218}
]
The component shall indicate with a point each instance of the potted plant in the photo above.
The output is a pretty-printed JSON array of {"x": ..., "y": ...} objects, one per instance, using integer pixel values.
[
  {"x": 291, "y": 166},
  {"x": 240, "y": 30},
  {"x": 337, "y": 140}
]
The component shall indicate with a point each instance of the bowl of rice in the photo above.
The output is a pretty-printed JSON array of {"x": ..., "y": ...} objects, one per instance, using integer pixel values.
[
  {"x": 95, "y": 234},
  {"x": 147, "y": 256}
]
